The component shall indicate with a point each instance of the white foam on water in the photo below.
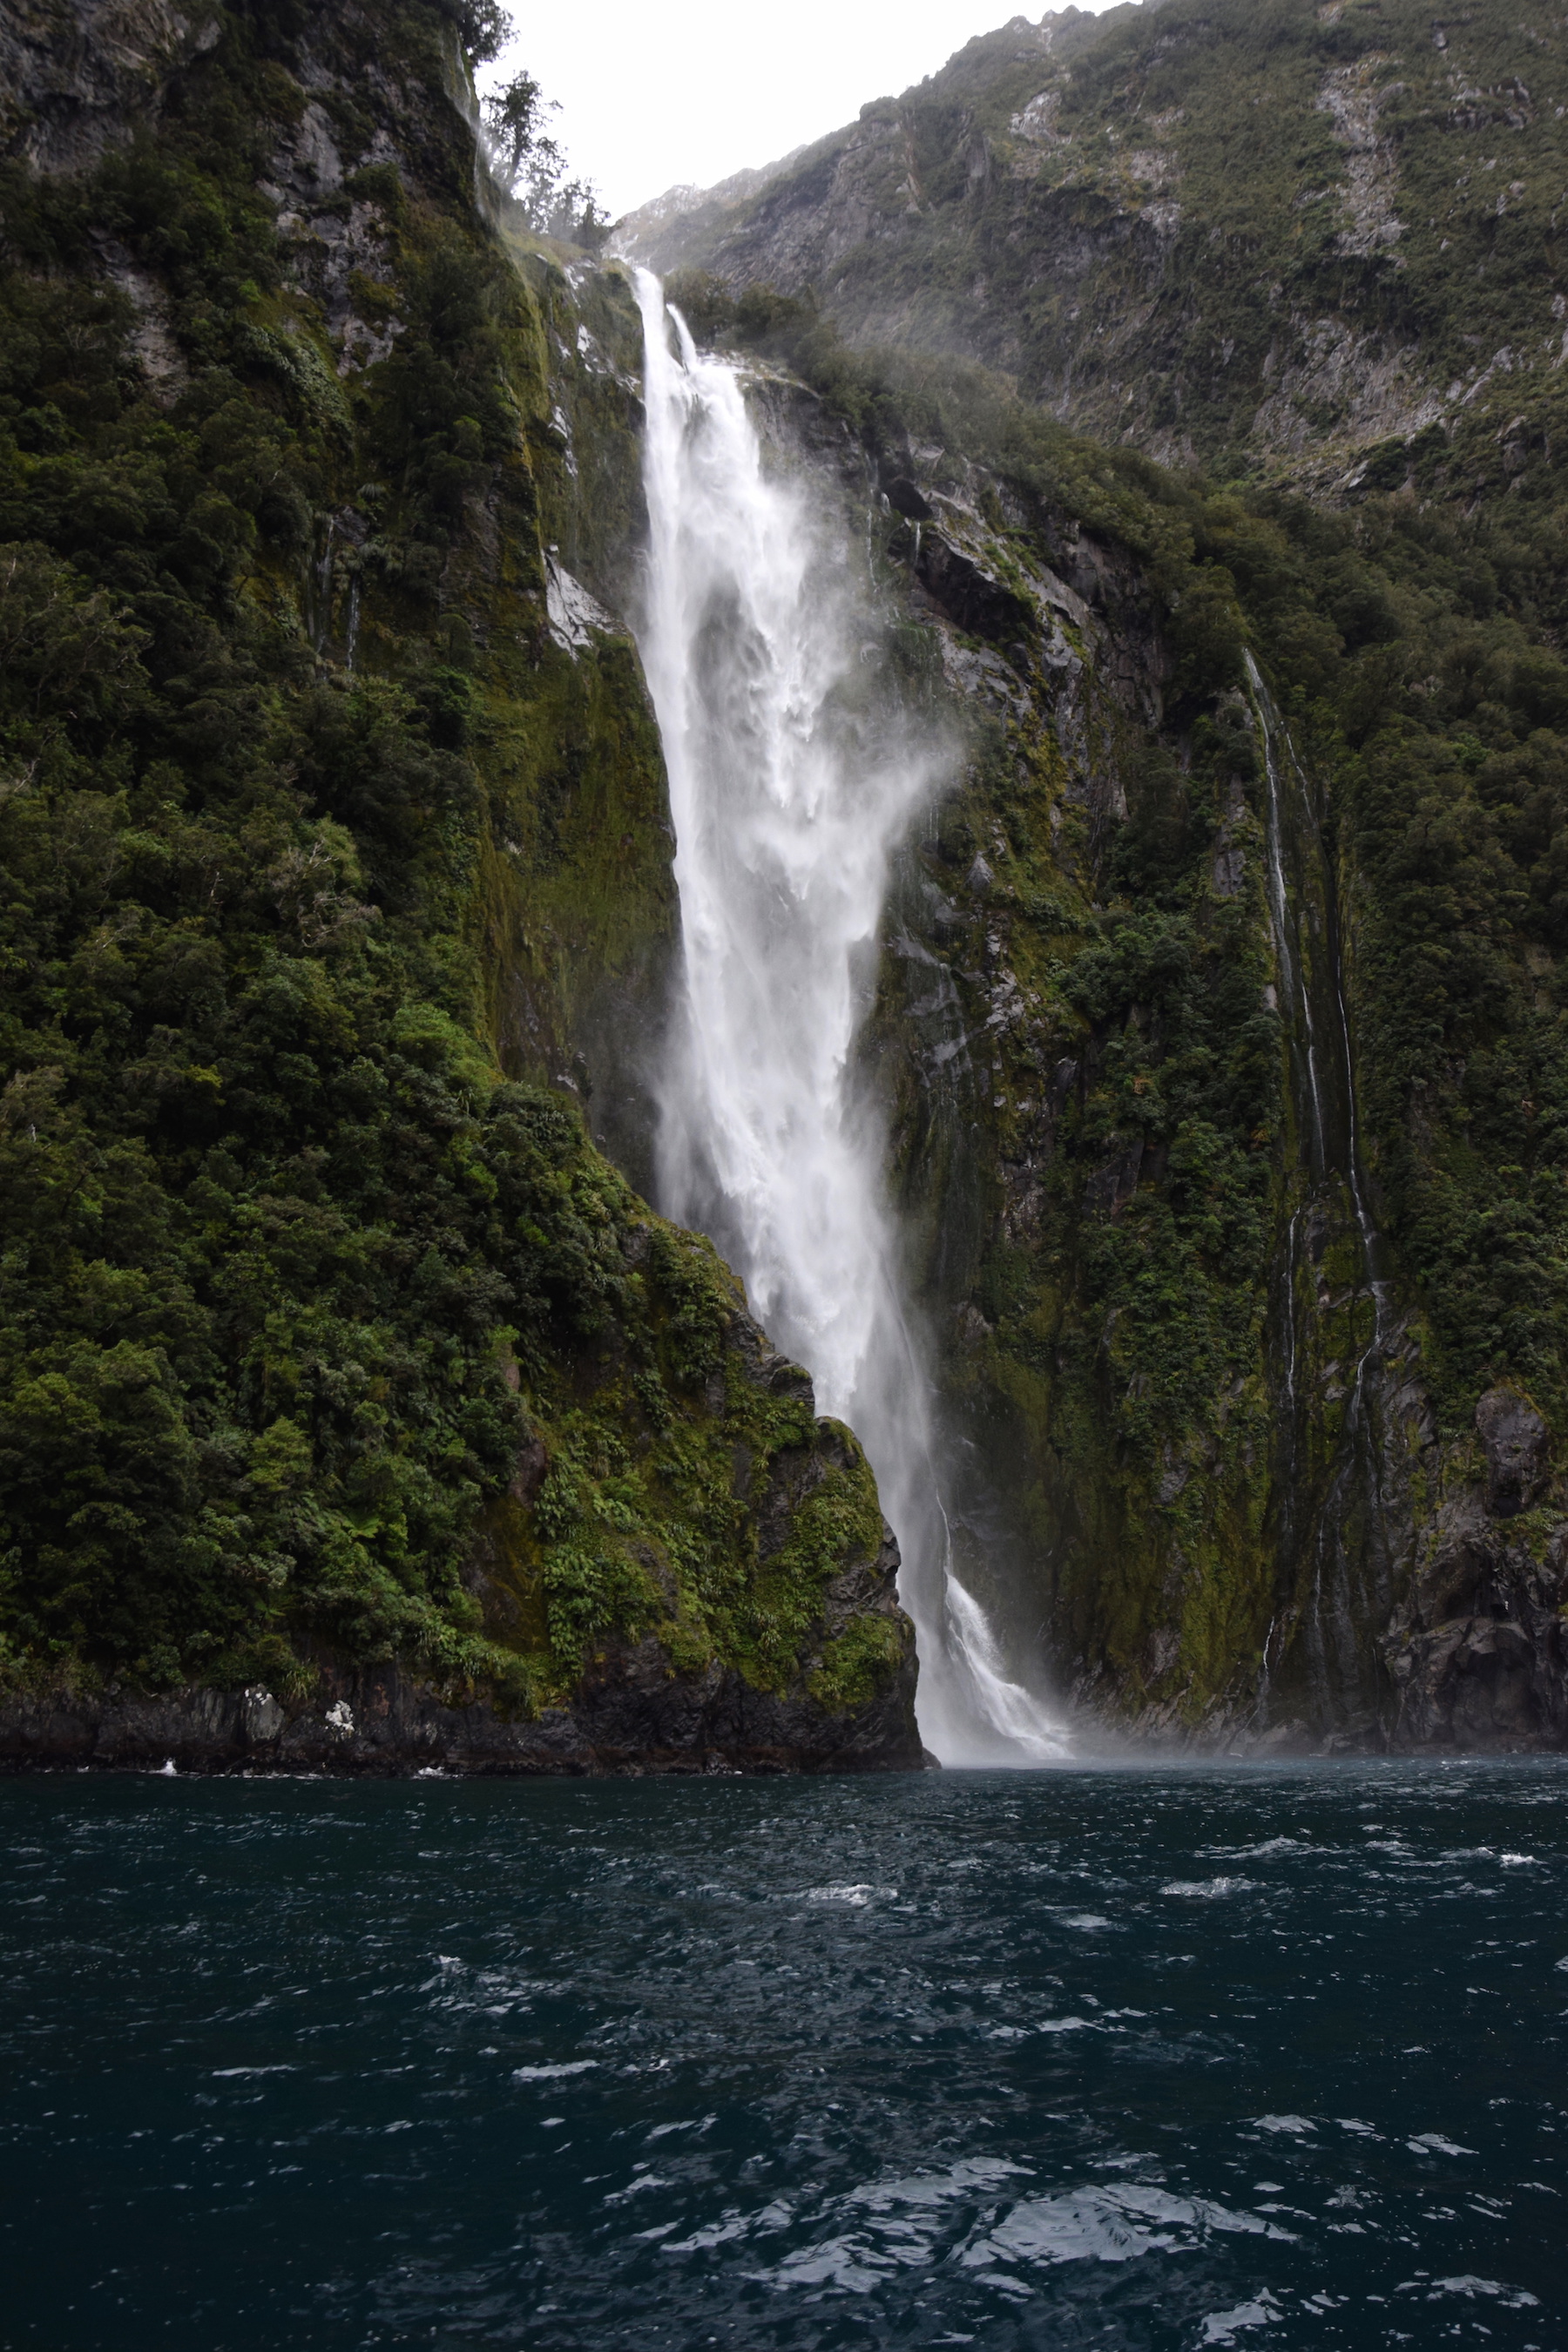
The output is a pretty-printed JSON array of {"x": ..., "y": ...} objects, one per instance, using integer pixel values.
[
  {"x": 1223, "y": 2326},
  {"x": 873, "y": 2232},
  {"x": 857, "y": 1896},
  {"x": 778, "y": 2215},
  {"x": 1121, "y": 2223},
  {"x": 929, "y": 2189},
  {"x": 875, "y": 2229},
  {"x": 1516, "y": 2298},
  {"x": 635, "y": 2188}
]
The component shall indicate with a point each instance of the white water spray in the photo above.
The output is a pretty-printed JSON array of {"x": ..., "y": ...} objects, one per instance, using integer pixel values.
[{"x": 791, "y": 782}]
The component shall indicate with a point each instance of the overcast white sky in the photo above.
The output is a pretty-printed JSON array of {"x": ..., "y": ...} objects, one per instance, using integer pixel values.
[{"x": 653, "y": 92}]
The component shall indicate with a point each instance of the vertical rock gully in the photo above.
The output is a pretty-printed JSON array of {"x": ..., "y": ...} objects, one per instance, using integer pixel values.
[{"x": 1337, "y": 1524}]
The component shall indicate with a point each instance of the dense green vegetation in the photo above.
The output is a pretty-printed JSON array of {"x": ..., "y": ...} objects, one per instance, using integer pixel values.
[
  {"x": 320, "y": 1333},
  {"x": 325, "y": 1328}
]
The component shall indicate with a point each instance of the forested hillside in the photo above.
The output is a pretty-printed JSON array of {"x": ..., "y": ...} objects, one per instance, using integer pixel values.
[
  {"x": 334, "y": 833},
  {"x": 1220, "y": 1025}
]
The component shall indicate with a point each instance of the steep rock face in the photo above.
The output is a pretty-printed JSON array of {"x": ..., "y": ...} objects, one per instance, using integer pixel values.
[
  {"x": 1219, "y": 1019},
  {"x": 339, "y": 1369},
  {"x": 78, "y": 77},
  {"x": 1224, "y": 1443},
  {"x": 1289, "y": 1539},
  {"x": 1476, "y": 1653},
  {"x": 1318, "y": 238}
]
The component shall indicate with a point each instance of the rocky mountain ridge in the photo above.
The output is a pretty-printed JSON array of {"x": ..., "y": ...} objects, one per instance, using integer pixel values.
[{"x": 1301, "y": 239}]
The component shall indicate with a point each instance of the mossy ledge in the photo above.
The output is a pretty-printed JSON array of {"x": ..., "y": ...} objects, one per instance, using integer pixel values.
[{"x": 685, "y": 1570}]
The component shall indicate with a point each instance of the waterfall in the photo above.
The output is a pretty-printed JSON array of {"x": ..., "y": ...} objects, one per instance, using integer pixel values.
[{"x": 793, "y": 779}]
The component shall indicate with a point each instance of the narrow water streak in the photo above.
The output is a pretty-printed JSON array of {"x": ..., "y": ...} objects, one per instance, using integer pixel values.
[
  {"x": 793, "y": 779},
  {"x": 1350, "y": 1580}
]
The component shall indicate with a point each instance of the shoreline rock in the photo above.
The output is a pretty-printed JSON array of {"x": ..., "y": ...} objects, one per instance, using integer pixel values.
[
  {"x": 636, "y": 1721},
  {"x": 634, "y": 1718}
]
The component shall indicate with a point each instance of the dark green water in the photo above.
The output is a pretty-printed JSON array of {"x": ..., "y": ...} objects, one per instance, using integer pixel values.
[{"x": 1159, "y": 2059}]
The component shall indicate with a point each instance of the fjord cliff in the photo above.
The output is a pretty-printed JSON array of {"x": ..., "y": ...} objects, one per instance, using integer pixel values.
[
  {"x": 1223, "y": 1009},
  {"x": 356, "y": 1408},
  {"x": 1214, "y": 1000},
  {"x": 353, "y": 1409}
]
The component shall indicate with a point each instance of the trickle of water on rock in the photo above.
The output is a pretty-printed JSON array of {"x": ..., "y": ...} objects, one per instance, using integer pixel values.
[
  {"x": 793, "y": 778},
  {"x": 1351, "y": 1578}
]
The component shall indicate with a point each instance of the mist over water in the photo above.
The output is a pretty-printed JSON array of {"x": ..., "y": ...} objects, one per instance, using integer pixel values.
[{"x": 794, "y": 777}]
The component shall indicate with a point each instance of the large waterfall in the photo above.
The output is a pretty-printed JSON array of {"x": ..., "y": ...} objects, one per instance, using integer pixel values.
[{"x": 793, "y": 779}]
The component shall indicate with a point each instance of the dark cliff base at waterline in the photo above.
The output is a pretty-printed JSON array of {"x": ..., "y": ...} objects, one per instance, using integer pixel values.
[{"x": 635, "y": 1715}]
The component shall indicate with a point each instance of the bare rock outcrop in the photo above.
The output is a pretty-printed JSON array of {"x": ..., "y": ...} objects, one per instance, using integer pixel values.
[
  {"x": 1514, "y": 1439},
  {"x": 76, "y": 77},
  {"x": 1477, "y": 1655}
]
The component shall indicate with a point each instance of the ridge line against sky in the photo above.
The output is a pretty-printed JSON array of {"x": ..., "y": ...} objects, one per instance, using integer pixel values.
[{"x": 693, "y": 91}]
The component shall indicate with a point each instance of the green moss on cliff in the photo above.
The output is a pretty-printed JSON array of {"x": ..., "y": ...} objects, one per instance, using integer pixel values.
[
  {"x": 1152, "y": 1305},
  {"x": 319, "y": 1332}
]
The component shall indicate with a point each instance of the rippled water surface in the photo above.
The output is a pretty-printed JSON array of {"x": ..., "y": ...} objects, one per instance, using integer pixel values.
[{"x": 1155, "y": 2059}]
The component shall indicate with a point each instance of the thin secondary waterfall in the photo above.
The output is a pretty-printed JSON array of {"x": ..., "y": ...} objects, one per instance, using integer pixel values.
[
  {"x": 793, "y": 779},
  {"x": 1345, "y": 1542}
]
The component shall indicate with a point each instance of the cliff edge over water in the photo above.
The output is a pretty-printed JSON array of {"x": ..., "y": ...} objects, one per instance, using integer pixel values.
[
  {"x": 354, "y": 1410},
  {"x": 1221, "y": 1021}
]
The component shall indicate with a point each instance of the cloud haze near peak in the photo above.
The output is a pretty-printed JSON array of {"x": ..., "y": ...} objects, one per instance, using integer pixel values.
[{"x": 691, "y": 90}]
